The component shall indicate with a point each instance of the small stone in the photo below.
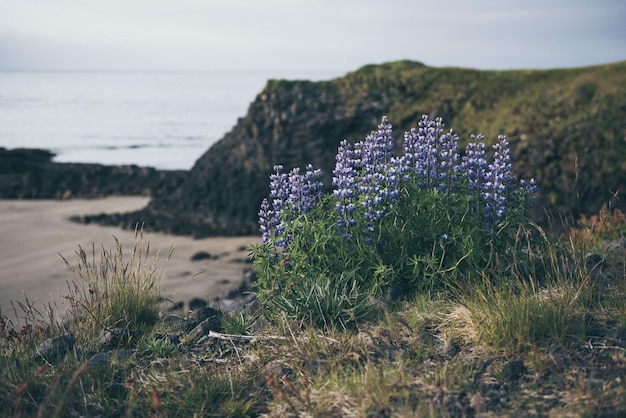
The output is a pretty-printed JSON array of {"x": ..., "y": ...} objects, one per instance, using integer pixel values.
[
  {"x": 104, "y": 358},
  {"x": 201, "y": 255},
  {"x": 115, "y": 337},
  {"x": 171, "y": 338},
  {"x": 197, "y": 303},
  {"x": 203, "y": 328},
  {"x": 174, "y": 322},
  {"x": 250, "y": 276},
  {"x": 207, "y": 312},
  {"x": 513, "y": 370},
  {"x": 53, "y": 348},
  {"x": 277, "y": 369}
]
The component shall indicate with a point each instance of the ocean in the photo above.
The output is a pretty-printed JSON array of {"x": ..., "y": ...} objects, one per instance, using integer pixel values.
[{"x": 165, "y": 120}]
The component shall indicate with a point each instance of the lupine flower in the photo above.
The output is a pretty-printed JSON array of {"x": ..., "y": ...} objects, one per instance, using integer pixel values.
[
  {"x": 498, "y": 182},
  {"x": 267, "y": 220},
  {"x": 295, "y": 192},
  {"x": 345, "y": 187},
  {"x": 304, "y": 190},
  {"x": 433, "y": 155},
  {"x": 474, "y": 162},
  {"x": 528, "y": 189},
  {"x": 473, "y": 168},
  {"x": 449, "y": 158},
  {"x": 378, "y": 181}
]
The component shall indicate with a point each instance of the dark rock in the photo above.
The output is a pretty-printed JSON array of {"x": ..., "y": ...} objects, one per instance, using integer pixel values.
[
  {"x": 201, "y": 255},
  {"x": 197, "y": 303},
  {"x": 173, "y": 339},
  {"x": 54, "y": 348},
  {"x": 593, "y": 262},
  {"x": 243, "y": 289},
  {"x": 31, "y": 174},
  {"x": 250, "y": 276},
  {"x": 116, "y": 337},
  {"x": 207, "y": 312},
  {"x": 203, "y": 328},
  {"x": 173, "y": 322},
  {"x": 513, "y": 370},
  {"x": 105, "y": 357}
]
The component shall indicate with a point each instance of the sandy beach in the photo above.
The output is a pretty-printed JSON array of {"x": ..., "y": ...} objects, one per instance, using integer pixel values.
[{"x": 35, "y": 233}]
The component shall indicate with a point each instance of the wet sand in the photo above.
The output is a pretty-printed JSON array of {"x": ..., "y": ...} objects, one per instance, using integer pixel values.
[{"x": 34, "y": 234}]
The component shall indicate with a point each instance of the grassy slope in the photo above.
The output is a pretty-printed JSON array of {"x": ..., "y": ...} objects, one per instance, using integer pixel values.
[
  {"x": 564, "y": 124},
  {"x": 551, "y": 117},
  {"x": 482, "y": 350}
]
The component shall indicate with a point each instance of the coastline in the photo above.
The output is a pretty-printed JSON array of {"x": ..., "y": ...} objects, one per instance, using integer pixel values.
[{"x": 36, "y": 233}]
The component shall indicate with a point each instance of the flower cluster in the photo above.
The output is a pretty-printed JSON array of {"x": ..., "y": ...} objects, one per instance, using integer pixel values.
[
  {"x": 498, "y": 181},
  {"x": 432, "y": 155},
  {"x": 293, "y": 192},
  {"x": 368, "y": 179},
  {"x": 377, "y": 184},
  {"x": 344, "y": 182}
]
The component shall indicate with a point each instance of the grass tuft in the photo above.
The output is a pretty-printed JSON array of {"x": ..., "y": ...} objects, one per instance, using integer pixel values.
[{"x": 111, "y": 290}]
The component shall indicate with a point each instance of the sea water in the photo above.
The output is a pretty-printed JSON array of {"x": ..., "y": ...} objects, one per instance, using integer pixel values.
[{"x": 165, "y": 120}]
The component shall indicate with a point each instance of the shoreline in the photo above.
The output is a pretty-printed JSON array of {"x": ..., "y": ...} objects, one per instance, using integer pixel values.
[{"x": 36, "y": 233}]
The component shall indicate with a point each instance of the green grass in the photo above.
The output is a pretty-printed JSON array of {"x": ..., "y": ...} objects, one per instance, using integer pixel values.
[{"x": 444, "y": 353}]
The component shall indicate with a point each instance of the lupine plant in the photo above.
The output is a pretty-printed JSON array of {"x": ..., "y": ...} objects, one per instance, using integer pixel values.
[{"x": 412, "y": 222}]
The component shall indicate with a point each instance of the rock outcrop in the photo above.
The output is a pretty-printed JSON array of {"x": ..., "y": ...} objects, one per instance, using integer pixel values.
[
  {"x": 567, "y": 129},
  {"x": 31, "y": 174}
]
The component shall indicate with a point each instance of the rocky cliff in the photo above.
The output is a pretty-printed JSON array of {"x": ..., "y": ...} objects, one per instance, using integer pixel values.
[
  {"x": 31, "y": 174},
  {"x": 567, "y": 129}
]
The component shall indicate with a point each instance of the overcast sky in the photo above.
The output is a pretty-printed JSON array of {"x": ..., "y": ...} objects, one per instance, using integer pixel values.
[{"x": 308, "y": 35}]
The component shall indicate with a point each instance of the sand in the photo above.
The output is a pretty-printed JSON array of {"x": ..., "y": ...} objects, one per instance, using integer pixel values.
[{"x": 35, "y": 233}]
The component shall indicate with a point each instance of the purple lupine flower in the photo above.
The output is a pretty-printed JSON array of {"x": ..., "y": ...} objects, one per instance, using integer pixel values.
[
  {"x": 474, "y": 163},
  {"x": 473, "y": 169},
  {"x": 293, "y": 191},
  {"x": 267, "y": 220},
  {"x": 421, "y": 149},
  {"x": 411, "y": 149},
  {"x": 279, "y": 194},
  {"x": 498, "y": 182},
  {"x": 448, "y": 161},
  {"x": 378, "y": 183},
  {"x": 529, "y": 187},
  {"x": 345, "y": 191},
  {"x": 366, "y": 174},
  {"x": 433, "y": 155},
  {"x": 304, "y": 190}
]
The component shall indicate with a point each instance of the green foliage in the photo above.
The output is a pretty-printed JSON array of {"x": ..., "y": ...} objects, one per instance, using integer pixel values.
[
  {"x": 521, "y": 316},
  {"x": 238, "y": 323},
  {"x": 161, "y": 348},
  {"x": 330, "y": 265},
  {"x": 111, "y": 290}
]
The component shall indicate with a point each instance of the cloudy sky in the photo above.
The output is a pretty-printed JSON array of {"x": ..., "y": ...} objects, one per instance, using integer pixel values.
[{"x": 308, "y": 35}]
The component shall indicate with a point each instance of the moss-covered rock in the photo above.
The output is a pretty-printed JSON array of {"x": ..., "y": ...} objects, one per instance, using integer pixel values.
[{"x": 567, "y": 128}]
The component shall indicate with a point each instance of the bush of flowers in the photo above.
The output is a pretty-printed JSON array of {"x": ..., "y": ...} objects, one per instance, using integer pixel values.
[{"x": 392, "y": 223}]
